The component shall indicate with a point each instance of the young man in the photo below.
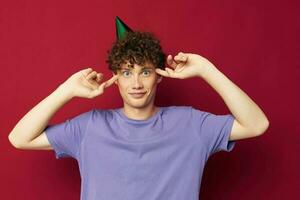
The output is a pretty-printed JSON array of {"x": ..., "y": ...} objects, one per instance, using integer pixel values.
[{"x": 141, "y": 151}]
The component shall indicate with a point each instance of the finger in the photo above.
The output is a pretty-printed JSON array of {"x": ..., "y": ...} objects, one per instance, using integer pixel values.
[
  {"x": 91, "y": 75},
  {"x": 183, "y": 56},
  {"x": 87, "y": 71},
  {"x": 162, "y": 72},
  {"x": 111, "y": 81},
  {"x": 104, "y": 85},
  {"x": 98, "y": 90},
  {"x": 92, "y": 80},
  {"x": 171, "y": 62},
  {"x": 180, "y": 58},
  {"x": 170, "y": 72},
  {"x": 99, "y": 77}
]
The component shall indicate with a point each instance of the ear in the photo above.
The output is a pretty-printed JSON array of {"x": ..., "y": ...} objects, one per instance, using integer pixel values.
[
  {"x": 116, "y": 81},
  {"x": 159, "y": 79}
]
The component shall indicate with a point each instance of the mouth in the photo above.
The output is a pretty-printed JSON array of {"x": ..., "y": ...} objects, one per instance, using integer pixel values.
[{"x": 137, "y": 95}]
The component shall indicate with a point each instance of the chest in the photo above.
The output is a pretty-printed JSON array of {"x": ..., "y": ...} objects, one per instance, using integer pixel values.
[{"x": 108, "y": 158}]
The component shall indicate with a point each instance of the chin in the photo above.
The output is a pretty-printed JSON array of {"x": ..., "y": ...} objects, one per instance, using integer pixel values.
[{"x": 137, "y": 105}]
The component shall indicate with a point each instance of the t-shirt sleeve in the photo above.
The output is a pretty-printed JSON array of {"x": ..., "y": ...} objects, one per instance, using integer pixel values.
[
  {"x": 65, "y": 138},
  {"x": 214, "y": 130}
]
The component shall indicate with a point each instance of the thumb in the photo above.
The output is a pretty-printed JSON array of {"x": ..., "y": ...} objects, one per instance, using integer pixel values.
[{"x": 99, "y": 90}]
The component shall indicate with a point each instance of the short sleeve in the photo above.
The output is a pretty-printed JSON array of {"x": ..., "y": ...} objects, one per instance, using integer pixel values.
[
  {"x": 65, "y": 138},
  {"x": 214, "y": 130}
]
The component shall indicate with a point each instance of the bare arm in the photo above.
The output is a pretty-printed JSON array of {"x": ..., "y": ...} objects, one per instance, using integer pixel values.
[
  {"x": 28, "y": 133},
  {"x": 35, "y": 121},
  {"x": 250, "y": 120}
]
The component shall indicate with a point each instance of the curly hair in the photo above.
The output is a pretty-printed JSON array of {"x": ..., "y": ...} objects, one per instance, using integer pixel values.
[{"x": 136, "y": 48}]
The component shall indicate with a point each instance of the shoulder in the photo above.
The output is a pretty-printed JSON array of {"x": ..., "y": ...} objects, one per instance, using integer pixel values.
[
  {"x": 178, "y": 111},
  {"x": 184, "y": 109},
  {"x": 177, "y": 108},
  {"x": 195, "y": 112},
  {"x": 81, "y": 117}
]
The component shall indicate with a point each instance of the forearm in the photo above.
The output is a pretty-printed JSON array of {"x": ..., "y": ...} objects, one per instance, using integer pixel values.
[
  {"x": 242, "y": 107},
  {"x": 35, "y": 121}
]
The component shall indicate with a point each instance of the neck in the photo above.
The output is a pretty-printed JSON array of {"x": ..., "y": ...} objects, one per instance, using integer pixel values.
[{"x": 139, "y": 113}]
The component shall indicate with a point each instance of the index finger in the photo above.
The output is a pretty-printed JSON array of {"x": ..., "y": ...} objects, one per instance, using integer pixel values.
[
  {"x": 162, "y": 72},
  {"x": 111, "y": 80}
]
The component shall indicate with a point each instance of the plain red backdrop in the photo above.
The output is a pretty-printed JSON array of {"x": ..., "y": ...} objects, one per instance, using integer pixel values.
[{"x": 254, "y": 43}]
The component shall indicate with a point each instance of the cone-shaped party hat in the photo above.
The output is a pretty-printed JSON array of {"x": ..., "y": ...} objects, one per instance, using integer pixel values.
[{"x": 121, "y": 28}]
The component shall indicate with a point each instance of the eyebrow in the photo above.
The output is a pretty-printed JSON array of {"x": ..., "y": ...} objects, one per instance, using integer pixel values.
[{"x": 132, "y": 68}]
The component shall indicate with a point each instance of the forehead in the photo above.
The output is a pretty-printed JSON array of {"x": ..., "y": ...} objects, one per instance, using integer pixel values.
[{"x": 147, "y": 65}]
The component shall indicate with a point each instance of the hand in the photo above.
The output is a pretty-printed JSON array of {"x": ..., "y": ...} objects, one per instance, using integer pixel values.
[
  {"x": 185, "y": 65},
  {"x": 86, "y": 83}
]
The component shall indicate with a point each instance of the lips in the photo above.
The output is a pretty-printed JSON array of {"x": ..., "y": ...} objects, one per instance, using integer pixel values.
[{"x": 137, "y": 94}]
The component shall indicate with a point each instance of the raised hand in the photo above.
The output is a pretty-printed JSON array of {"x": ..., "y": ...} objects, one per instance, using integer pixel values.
[
  {"x": 86, "y": 83},
  {"x": 185, "y": 65}
]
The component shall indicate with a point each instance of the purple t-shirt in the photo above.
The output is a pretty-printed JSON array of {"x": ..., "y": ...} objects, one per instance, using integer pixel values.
[{"x": 159, "y": 158}]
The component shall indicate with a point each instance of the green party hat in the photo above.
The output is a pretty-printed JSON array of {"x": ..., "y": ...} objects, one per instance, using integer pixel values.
[{"x": 121, "y": 28}]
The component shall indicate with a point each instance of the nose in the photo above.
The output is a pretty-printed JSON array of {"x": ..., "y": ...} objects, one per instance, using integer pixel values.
[{"x": 137, "y": 83}]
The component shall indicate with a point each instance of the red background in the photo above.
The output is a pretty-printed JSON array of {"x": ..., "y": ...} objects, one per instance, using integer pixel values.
[{"x": 254, "y": 43}]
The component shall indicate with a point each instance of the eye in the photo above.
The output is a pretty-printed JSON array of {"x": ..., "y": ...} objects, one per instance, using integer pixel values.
[
  {"x": 126, "y": 73},
  {"x": 147, "y": 72}
]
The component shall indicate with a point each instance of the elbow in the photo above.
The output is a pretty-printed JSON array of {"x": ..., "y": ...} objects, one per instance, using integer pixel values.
[
  {"x": 263, "y": 128},
  {"x": 13, "y": 142}
]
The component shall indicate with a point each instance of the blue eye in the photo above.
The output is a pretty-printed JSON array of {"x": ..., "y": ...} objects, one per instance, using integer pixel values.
[
  {"x": 148, "y": 72},
  {"x": 125, "y": 73}
]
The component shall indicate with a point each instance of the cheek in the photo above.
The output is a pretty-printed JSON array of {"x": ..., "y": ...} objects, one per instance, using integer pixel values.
[
  {"x": 153, "y": 81},
  {"x": 123, "y": 85},
  {"x": 151, "y": 85}
]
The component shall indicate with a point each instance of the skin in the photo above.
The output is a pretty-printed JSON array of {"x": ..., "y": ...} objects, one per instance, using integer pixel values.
[
  {"x": 250, "y": 121},
  {"x": 138, "y": 79}
]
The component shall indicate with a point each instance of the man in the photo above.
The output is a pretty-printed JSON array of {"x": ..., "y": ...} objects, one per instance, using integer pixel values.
[{"x": 141, "y": 151}]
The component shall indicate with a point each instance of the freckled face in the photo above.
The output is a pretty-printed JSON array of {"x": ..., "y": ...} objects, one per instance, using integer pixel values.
[{"x": 137, "y": 85}]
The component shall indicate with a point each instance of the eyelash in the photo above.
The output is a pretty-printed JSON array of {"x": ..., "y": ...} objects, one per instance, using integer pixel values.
[{"x": 149, "y": 72}]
